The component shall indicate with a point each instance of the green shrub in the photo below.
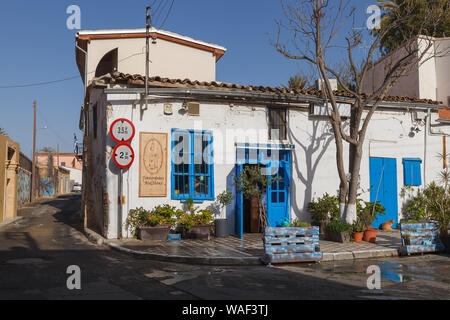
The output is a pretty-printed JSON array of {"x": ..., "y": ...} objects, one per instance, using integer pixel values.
[
  {"x": 160, "y": 215},
  {"x": 369, "y": 211},
  {"x": 136, "y": 218},
  {"x": 324, "y": 209},
  {"x": 338, "y": 226},
  {"x": 225, "y": 198},
  {"x": 432, "y": 203},
  {"x": 204, "y": 216},
  {"x": 358, "y": 225}
]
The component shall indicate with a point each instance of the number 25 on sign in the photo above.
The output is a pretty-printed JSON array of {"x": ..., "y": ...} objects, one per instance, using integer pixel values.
[{"x": 123, "y": 155}]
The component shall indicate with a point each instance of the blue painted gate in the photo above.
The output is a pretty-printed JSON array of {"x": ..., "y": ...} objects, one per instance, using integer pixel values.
[
  {"x": 383, "y": 182},
  {"x": 239, "y": 220},
  {"x": 277, "y": 197}
]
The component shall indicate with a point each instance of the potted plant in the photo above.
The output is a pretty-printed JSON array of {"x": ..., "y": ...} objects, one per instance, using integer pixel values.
[
  {"x": 323, "y": 210},
  {"x": 253, "y": 183},
  {"x": 358, "y": 229},
  {"x": 196, "y": 224},
  {"x": 338, "y": 231},
  {"x": 220, "y": 224},
  {"x": 152, "y": 225},
  {"x": 367, "y": 215}
]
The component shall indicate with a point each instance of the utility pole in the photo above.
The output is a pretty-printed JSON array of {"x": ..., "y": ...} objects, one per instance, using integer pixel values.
[
  {"x": 57, "y": 154},
  {"x": 33, "y": 169},
  {"x": 147, "y": 54}
]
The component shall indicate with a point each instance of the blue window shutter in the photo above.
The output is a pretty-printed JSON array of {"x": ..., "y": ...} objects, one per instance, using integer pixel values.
[
  {"x": 412, "y": 173},
  {"x": 188, "y": 172}
]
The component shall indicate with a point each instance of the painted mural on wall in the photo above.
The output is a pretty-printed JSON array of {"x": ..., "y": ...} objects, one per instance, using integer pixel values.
[
  {"x": 24, "y": 187},
  {"x": 47, "y": 187}
]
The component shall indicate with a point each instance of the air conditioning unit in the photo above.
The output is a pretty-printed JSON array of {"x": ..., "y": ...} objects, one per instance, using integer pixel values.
[
  {"x": 193, "y": 108},
  {"x": 320, "y": 110}
]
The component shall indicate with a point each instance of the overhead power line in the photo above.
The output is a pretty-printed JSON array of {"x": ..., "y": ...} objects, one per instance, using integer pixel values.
[{"x": 36, "y": 84}]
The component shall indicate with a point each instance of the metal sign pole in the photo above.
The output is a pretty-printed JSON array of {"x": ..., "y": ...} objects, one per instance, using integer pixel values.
[{"x": 120, "y": 214}]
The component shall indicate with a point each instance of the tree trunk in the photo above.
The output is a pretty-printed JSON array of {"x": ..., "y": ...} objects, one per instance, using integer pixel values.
[{"x": 350, "y": 213}]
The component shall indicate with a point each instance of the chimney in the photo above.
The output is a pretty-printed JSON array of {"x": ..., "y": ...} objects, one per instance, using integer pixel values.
[{"x": 320, "y": 84}]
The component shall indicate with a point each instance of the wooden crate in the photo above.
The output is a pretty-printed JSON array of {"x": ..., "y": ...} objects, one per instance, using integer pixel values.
[
  {"x": 424, "y": 237},
  {"x": 284, "y": 245}
]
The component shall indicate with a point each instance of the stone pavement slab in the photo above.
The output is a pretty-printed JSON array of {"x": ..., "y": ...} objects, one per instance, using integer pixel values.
[{"x": 246, "y": 251}]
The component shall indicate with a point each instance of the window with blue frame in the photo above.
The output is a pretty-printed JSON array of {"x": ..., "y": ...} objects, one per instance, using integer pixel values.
[
  {"x": 412, "y": 173},
  {"x": 192, "y": 165}
]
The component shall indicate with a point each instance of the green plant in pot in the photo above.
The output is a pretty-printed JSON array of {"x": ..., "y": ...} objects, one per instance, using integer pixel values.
[
  {"x": 196, "y": 223},
  {"x": 367, "y": 213},
  {"x": 252, "y": 183},
  {"x": 323, "y": 210},
  {"x": 152, "y": 225},
  {"x": 338, "y": 231},
  {"x": 221, "y": 227},
  {"x": 358, "y": 229}
]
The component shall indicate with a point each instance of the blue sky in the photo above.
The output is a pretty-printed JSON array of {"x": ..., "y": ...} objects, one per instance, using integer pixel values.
[{"x": 37, "y": 47}]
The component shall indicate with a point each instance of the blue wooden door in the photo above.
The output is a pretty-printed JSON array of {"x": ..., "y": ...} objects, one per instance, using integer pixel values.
[
  {"x": 239, "y": 225},
  {"x": 383, "y": 180},
  {"x": 277, "y": 197}
]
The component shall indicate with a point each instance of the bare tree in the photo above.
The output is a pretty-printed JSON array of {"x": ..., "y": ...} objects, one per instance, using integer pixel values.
[{"x": 314, "y": 27}]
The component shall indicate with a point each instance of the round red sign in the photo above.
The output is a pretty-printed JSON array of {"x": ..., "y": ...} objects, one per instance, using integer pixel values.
[
  {"x": 122, "y": 130},
  {"x": 123, "y": 155}
]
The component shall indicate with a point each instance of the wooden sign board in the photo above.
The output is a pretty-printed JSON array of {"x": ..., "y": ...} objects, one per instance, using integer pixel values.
[{"x": 152, "y": 164}]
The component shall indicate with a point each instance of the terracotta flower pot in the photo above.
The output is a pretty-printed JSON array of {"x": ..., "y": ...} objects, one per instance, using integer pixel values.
[
  {"x": 370, "y": 235},
  {"x": 358, "y": 236}
]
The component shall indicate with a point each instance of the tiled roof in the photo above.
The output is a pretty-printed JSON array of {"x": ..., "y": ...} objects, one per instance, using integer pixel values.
[{"x": 138, "y": 80}]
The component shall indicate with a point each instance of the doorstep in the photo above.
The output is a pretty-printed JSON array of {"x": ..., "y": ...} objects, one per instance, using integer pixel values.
[
  {"x": 7, "y": 222},
  {"x": 246, "y": 251}
]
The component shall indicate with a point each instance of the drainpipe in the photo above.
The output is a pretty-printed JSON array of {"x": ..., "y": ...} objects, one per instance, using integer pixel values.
[{"x": 429, "y": 131}]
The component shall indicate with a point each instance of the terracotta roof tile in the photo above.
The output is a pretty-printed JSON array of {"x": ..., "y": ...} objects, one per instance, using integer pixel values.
[
  {"x": 156, "y": 81},
  {"x": 444, "y": 113}
]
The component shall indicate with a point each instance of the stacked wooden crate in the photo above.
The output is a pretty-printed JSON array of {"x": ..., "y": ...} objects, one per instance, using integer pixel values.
[
  {"x": 293, "y": 244},
  {"x": 420, "y": 238}
]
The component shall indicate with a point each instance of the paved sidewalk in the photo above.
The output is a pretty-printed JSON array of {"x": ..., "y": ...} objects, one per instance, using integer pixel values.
[{"x": 246, "y": 251}]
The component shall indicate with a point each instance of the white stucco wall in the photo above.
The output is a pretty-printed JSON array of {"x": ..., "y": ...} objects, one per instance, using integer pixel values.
[
  {"x": 75, "y": 174},
  {"x": 443, "y": 71},
  {"x": 313, "y": 160},
  {"x": 167, "y": 59},
  {"x": 408, "y": 86},
  {"x": 431, "y": 80}
]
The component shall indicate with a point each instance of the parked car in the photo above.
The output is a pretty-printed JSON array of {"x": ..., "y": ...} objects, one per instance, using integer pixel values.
[{"x": 76, "y": 187}]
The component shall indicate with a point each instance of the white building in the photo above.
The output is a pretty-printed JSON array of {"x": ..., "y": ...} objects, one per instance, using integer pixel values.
[
  {"x": 430, "y": 80},
  {"x": 203, "y": 120}
]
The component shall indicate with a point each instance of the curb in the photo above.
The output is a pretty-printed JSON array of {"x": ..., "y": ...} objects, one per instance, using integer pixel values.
[
  {"x": 5, "y": 223},
  {"x": 362, "y": 254},
  {"x": 203, "y": 260}
]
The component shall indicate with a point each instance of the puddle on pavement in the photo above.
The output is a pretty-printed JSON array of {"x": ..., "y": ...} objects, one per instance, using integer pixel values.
[
  {"x": 402, "y": 273},
  {"x": 389, "y": 271}
]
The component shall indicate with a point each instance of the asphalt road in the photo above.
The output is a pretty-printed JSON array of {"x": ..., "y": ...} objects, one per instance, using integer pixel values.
[{"x": 36, "y": 251}]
